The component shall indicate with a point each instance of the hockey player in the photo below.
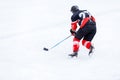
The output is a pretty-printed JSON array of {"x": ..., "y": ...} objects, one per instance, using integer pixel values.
[{"x": 86, "y": 29}]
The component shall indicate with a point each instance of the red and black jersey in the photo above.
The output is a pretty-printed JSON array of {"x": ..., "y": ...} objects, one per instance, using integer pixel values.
[{"x": 82, "y": 17}]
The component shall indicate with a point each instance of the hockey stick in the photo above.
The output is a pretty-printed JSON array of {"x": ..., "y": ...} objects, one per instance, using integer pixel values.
[{"x": 46, "y": 49}]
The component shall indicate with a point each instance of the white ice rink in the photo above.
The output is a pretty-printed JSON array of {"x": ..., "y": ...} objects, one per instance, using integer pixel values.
[{"x": 26, "y": 26}]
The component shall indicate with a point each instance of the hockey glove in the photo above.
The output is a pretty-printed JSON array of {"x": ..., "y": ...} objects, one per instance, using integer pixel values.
[{"x": 72, "y": 32}]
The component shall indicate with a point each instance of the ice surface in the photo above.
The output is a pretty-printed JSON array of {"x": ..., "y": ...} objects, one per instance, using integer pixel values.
[{"x": 27, "y": 26}]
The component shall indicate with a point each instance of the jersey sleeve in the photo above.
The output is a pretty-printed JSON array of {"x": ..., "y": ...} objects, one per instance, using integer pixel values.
[{"x": 74, "y": 23}]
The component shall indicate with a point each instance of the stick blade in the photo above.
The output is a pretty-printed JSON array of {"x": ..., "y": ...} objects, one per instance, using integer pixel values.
[{"x": 45, "y": 49}]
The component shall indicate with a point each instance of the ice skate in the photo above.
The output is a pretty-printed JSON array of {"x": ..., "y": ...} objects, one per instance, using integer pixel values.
[
  {"x": 91, "y": 50},
  {"x": 75, "y": 54}
]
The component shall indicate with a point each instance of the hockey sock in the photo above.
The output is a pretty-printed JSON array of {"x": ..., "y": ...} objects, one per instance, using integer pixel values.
[
  {"x": 75, "y": 44},
  {"x": 86, "y": 43}
]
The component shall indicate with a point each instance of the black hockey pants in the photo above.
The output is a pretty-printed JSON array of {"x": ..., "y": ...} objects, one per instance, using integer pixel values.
[{"x": 87, "y": 32}]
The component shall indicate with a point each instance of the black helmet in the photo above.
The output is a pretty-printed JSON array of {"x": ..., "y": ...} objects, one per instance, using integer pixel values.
[{"x": 74, "y": 8}]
